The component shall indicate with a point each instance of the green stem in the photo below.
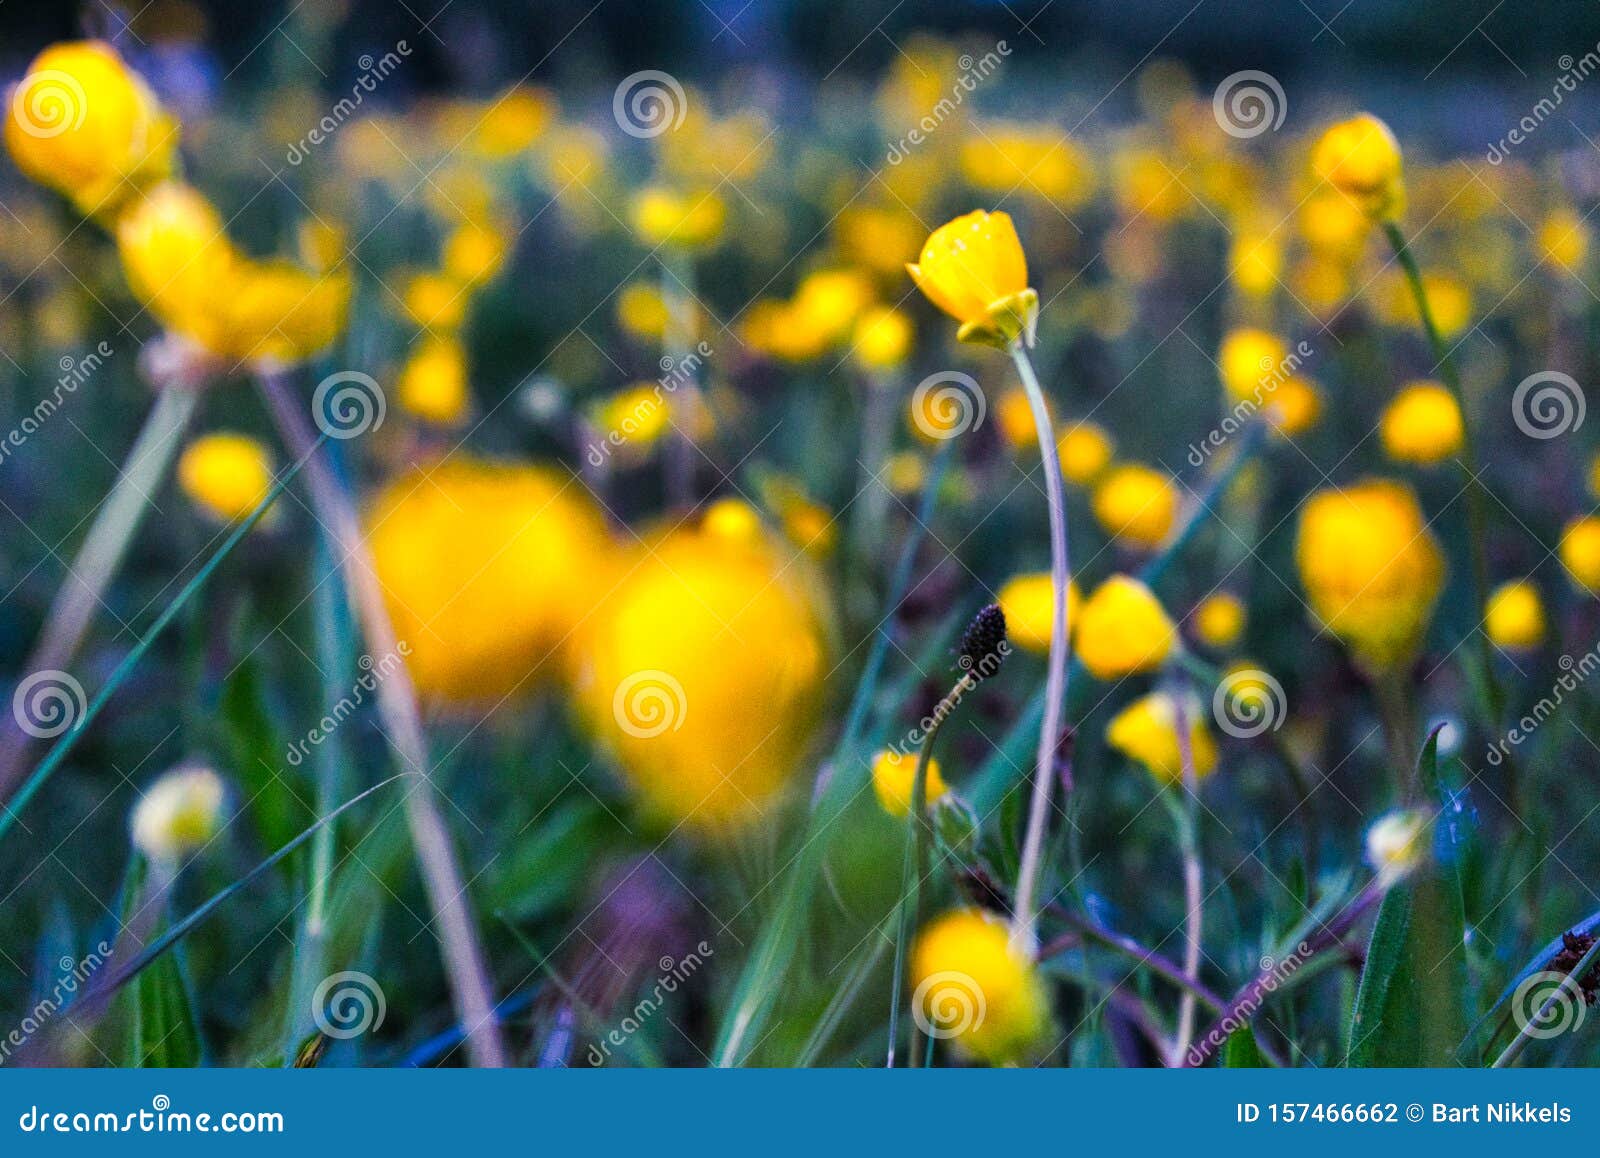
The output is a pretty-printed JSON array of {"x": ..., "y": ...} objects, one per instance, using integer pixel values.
[
  {"x": 1187, "y": 820},
  {"x": 1025, "y": 918}
]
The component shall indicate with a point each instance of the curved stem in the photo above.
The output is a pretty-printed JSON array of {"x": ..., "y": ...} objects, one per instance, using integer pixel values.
[
  {"x": 1025, "y": 918},
  {"x": 97, "y": 561},
  {"x": 1570, "y": 990},
  {"x": 397, "y": 704},
  {"x": 1188, "y": 824}
]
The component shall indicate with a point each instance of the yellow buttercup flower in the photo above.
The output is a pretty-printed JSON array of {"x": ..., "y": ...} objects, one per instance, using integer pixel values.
[
  {"x": 178, "y": 814},
  {"x": 488, "y": 569},
  {"x": 732, "y": 519},
  {"x": 1147, "y": 731},
  {"x": 703, "y": 671},
  {"x": 1293, "y": 407},
  {"x": 433, "y": 382},
  {"x": 1085, "y": 450},
  {"x": 1009, "y": 157},
  {"x": 1219, "y": 620},
  {"x": 1361, "y": 159},
  {"x": 1122, "y": 630},
  {"x": 1580, "y": 552},
  {"x": 1514, "y": 617},
  {"x": 883, "y": 338},
  {"x": 226, "y": 475},
  {"x": 893, "y": 778},
  {"x": 1029, "y": 603},
  {"x": 1563, "y": 240},
  {"x": 1371, "y": 568},
  {"x": 973, "y": 269},
  {"x": 975, "y": 988},
  {"x": 1251, "y": 363},
  {"x": 687, "y": 220},
  {"x": 83, "y": 123},
  {"x": 1333, "y": 225},
  {"x": 1136, "y": 504},
  {"x": 474, "y": 253},
  {"x": 642, "y": 311},
  {"x": 1256, "y": 262},
  {"x": 435, "y": 301},
  {"x": 828, "y": 302},
  {"x": 275, "y": 310},
  {"x": 510, "y": 122},
  {"x": 1449, "y": 301},
  {"x": 638, "y": 415},
  {"x": 1422, "y": 424},
  {"x": 1013, "y": 415}
]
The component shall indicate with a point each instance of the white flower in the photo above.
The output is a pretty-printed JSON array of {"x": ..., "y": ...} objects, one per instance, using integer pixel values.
[
  {"x": 1395, "y": 843},
  {"x": 178, "y": 813}
]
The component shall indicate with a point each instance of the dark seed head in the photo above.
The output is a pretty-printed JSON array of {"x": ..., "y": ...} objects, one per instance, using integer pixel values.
[{"x": 983, "y": 644}]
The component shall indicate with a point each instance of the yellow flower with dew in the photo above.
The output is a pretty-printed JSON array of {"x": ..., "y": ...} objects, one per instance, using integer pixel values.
[
  {"x": 1085, "y": 450},
  {"x": 81, "y": 122},
  {"x": 474, "y": 253},
  {"x": 1293, "y": 407},
  {"x": 1123, "y": 630},
  {"x": 883, "y": 338},
  {"x": 702, "y": 673},
  {"x": 894, "y": 776},
  {"x": 686, "y": 220},
  {"x": 1252, "y": 363},
  {"x": 178, "y": 814},
  {"x": 1136, "y": 504},
  {"x": 1146, "y": 731},
  {"x": 973, "y": 269},
  {"x": 1580, "y": 552},
  {"x": 1397, "y": 843},
  {"x": 970, "y": 985},
  {"x": 488, "y": 569},
  {"x": 1029, "y": 603},
  {"x": 1360, "y": 158},
  {"x": 435, "y": 300},
  {"x": 1371, "y": 568},
  {"x": 1219, "y": 620},
  {"x": 433, "y": 382},
  {"x": 1422, "y": 424},
  {"x": 1563, "y": 240},
  {"x": 225, "y": 474},
  {"x": 1514, "y": 617}
]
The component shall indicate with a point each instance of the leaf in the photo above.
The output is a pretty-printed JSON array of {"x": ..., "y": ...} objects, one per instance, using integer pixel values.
[
  {"x": 256, "y": 754},
  {"x": 1241, "y": 1052},
  {"x": 165, "y": 1030}
]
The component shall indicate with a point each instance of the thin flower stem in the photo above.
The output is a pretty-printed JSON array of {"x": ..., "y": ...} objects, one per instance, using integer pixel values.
[
  {"x": 1571, "y": 988},
  {"x": 1188, "y": 824},
  {"x": 1477, "y": 507},
  {"x": 397, "y": 704},
  {"x": 1025, "y": 918},
  {"x": 83, "y": 590}
]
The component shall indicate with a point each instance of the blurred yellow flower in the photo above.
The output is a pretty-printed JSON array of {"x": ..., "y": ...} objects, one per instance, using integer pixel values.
[
  {"x": 474, "y": 253},
  {"x": 1219, "y": 620},
  {"x": 433, "y": 382},
  {"x": 1122, "y": 630},
  {"x": 83, "y": 123},
  {"x": 828, "y": 302},
  {"x": 1333, "y": 225},
  {"x": 435, "y": 301},
  {"x": 1514, "y": 617},
  {"x": 1371, "y": 568},
  {"x": 883, "y": 338},
  {"x": 1147, "y": 731},
  {"x": 975, "y": 988},
  {"x": 638, "y": 414},
  {"x": 1013, "y": 417},
  {"x": 688, "y": 220},
  {"x": 1361, "y": 159},
  {"x": 510, "y": 123},
  {"x": 1009, "y": 157},
  {"x": 1085, "y": 450},
  {"x": 1396, "y": 843},
  {"x": 226, "y": 475},
  {"x": 1256, "y": 262},
  {"x": 1422, "y": 424},
  {"x": 702, "y": 671},
  {"x": 1580, "y": 552},
  {"x": 1563, "y": 240},
  {"x": 733, "y": 519},
  {"x": 1136, "y": 504},
  {"x": 1449, "y": 301},
  {"x": 893, "y": 777},
  {"x": 973, "y": 269},
  {"x": 178, "y": 814},
  {"x": 905, "y": 472},
  {"x": 1029, "y": 603},
  {"x": 1294, "y": 407},
  {"x": 642, "y": 311},
  {"x": 488, "y": 569},
  {"x": 1252, "y": 363},
  {"x": 880, "y": 238}
]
